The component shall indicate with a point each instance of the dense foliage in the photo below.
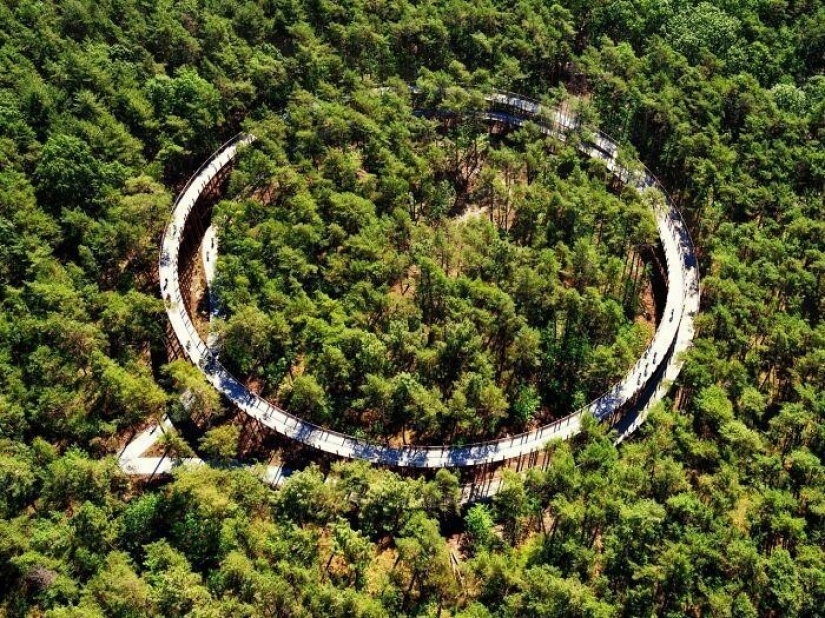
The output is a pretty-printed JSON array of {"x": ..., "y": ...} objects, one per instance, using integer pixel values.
[
  {"x": 717, "y": 509},
  {"x": 389, "y": 276}
]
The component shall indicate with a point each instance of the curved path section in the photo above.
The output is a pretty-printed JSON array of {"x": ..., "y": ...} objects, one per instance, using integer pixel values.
[{"x": 645, "y": 383}]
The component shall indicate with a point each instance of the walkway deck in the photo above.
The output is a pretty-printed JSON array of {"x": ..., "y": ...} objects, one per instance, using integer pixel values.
[{"x": 654, "y": 371}]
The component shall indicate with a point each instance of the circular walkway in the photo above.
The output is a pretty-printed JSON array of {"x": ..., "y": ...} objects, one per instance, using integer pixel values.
[{"x": 646, "y": 382}]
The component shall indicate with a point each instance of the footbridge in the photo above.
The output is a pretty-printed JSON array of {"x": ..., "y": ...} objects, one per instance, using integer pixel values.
[{"x": 624, "y": 406}]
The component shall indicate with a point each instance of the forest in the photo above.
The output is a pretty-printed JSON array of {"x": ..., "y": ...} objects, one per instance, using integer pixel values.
[
  {"x": 518, "y": 306},
  {"x": 418, "y": 288}
]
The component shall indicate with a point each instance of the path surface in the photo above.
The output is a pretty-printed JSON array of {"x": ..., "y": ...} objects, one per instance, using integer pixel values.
[
  {"x": 651, "y": 375},
  {"x": 132, "y": 460}
]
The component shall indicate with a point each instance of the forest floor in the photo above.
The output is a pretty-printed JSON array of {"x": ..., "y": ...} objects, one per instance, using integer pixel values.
[
  {"x": 648, "y": 313},
  {"x": 472, "y": 211}
]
